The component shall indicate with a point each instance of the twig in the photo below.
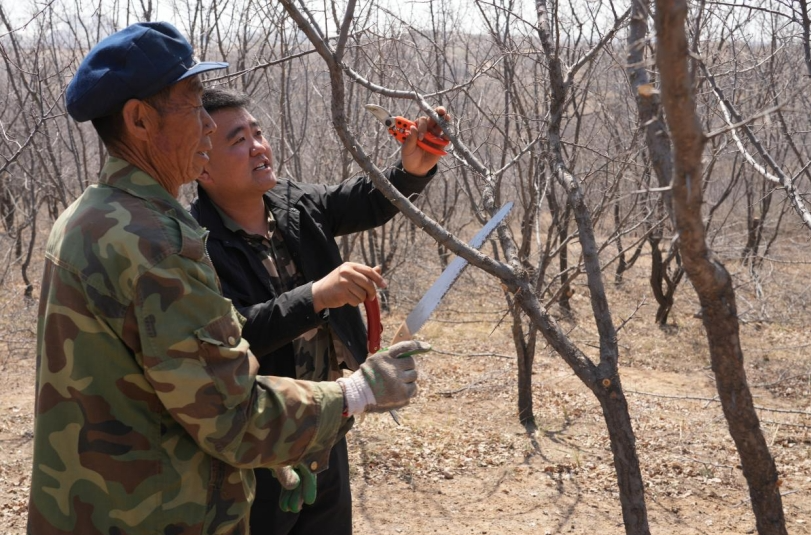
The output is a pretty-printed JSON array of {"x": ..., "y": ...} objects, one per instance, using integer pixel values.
[
  {"x": 460, "y": 322},
  {"x": 772, "y": 422},
  {"x": 780, "y": 380},
  {"x": 472, "y": 384},
  {"x": 744, "y": 5},
  {"x": 710, "y": 400},
  {"x": 30, "y": 20},
  {"x": 629, "y": 318},
  {"x": 706, "y": 463},
  {"x": 747, "y": 500},
  {"x": 740, "y": 124},
  {"x": 783, "y": 411},
  {"x": 486, "y": 354},
  {"x": 265, "y": 65},
  {"x": 777, "y": 348}
]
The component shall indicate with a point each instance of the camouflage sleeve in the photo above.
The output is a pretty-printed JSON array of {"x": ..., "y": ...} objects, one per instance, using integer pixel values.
[{"x": 205, "y": 375}]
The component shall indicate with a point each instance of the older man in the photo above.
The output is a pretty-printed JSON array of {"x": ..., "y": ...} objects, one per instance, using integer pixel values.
[
  {"x": 150, "y": 414},
  {"x": 273, "y": 245}
]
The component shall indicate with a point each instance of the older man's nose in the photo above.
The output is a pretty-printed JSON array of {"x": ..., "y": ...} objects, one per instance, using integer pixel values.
[{"x": 209, "y": 126}]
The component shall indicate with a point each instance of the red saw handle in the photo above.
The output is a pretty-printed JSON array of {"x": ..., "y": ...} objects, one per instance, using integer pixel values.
[{"x": 374, "y": 328}]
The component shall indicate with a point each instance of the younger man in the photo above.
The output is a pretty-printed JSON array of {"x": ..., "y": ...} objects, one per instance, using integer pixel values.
[{"x": 272, "y": 242}]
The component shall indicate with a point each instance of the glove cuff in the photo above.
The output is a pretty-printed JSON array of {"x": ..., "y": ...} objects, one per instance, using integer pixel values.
[{"x": 357, "y": 393}]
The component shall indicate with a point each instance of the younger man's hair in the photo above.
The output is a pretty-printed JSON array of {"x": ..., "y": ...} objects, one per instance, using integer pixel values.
[{"x": 217, "y": 98}]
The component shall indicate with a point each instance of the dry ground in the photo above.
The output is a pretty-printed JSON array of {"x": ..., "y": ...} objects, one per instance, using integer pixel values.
[{"x": 462, "y": 464}]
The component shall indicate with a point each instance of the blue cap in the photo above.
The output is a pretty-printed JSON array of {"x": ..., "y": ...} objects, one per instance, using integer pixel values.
[{"x": 135, "y": 62}]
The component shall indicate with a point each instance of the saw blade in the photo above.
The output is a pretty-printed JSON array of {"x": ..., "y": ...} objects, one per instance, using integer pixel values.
[{"x": 420, "y": 314}]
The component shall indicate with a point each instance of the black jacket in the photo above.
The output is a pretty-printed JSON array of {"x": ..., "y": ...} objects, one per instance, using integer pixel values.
[{"x": 309, "y": 216}]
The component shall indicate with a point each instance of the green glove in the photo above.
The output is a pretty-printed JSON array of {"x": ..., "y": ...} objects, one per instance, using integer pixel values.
[{"x": 298, "y": 487}]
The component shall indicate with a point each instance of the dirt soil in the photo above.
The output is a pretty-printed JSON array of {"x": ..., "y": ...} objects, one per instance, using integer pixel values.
[{"x": 462, "y": 463}]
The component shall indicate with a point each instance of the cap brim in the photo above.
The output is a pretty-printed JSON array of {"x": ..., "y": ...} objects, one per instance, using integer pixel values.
[{"x": 202, "y": 67}]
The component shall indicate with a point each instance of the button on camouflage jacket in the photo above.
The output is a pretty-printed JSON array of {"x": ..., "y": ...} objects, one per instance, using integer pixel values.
[{"x": 149, "y": 412}]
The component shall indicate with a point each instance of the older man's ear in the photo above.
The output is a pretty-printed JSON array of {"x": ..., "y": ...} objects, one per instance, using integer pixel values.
[{"x": 135, "y": 117}]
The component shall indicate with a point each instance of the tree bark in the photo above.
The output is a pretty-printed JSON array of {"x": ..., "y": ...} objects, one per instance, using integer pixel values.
[
  {"x": 708, "y": 275},
  {"x": 608, "y": 388}
]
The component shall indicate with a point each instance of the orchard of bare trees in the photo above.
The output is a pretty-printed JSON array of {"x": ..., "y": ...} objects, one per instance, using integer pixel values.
[{"x": 666, "y": 129}]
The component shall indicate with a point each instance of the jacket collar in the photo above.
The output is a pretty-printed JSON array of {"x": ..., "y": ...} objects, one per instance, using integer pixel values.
[
  {"x": 203, "y": 210},
  {"x": 285, "y": 193},
  {"x": 282, "y": 200}
]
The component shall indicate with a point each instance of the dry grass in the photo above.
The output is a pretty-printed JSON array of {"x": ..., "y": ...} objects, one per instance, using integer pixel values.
[{"x": 463, "y": 464}]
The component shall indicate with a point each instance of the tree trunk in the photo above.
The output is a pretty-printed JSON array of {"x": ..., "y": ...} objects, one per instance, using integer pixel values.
[
  {"x": 525, "y": 355},
  {"x": 623, "y": 447},
  {"x": 709, "y": 277},
  {"x": 615, "y": 410}
]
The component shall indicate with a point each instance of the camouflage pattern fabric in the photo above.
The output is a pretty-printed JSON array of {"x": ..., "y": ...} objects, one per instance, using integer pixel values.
[
  {"x": 315, "y": 350},
  {"x": 149, "y": 413}
]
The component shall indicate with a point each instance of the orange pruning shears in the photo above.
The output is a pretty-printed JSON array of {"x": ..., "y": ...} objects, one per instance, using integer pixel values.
[{"x": 400, "y": 127}]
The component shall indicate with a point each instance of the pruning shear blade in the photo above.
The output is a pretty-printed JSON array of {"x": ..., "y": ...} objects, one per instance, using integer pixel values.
[{"x": 399, "y": 127}]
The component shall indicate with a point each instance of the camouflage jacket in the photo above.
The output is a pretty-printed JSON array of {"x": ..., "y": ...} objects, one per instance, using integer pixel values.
[{"x": 149, "y": 412}]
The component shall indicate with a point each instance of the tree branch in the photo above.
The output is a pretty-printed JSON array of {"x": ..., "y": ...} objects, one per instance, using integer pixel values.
[{"x": 729, "y": 112}]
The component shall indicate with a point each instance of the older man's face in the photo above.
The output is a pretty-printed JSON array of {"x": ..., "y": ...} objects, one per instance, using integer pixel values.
[{"x": 181, "y": 141}]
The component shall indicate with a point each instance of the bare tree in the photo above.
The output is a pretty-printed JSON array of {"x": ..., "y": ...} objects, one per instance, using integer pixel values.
[
  {"x": 32, "y": 167},
  {"x": 603, "y": 379},
  {"x": 548, "y": 112},
  {"x": 710, "y": 278}
]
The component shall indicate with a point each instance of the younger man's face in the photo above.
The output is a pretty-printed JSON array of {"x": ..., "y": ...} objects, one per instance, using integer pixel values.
[{"x": 240, "y": 161}]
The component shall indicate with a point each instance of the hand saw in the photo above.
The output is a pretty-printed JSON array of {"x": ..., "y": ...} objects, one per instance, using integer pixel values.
[{"x": 430, "y": 300}]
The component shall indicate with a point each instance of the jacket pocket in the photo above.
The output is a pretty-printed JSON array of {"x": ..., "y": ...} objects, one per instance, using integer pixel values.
[{"x": 225, "y": 356}]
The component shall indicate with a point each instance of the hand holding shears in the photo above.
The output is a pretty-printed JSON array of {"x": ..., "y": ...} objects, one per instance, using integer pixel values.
[{"x": 422, "y": 151}]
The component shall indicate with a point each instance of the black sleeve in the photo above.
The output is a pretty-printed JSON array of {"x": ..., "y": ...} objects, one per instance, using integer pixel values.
[
  {"x": 356, "y": 205},
  {"x": 277, "y": 322},
  {"x": 270, "y": 323}
]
